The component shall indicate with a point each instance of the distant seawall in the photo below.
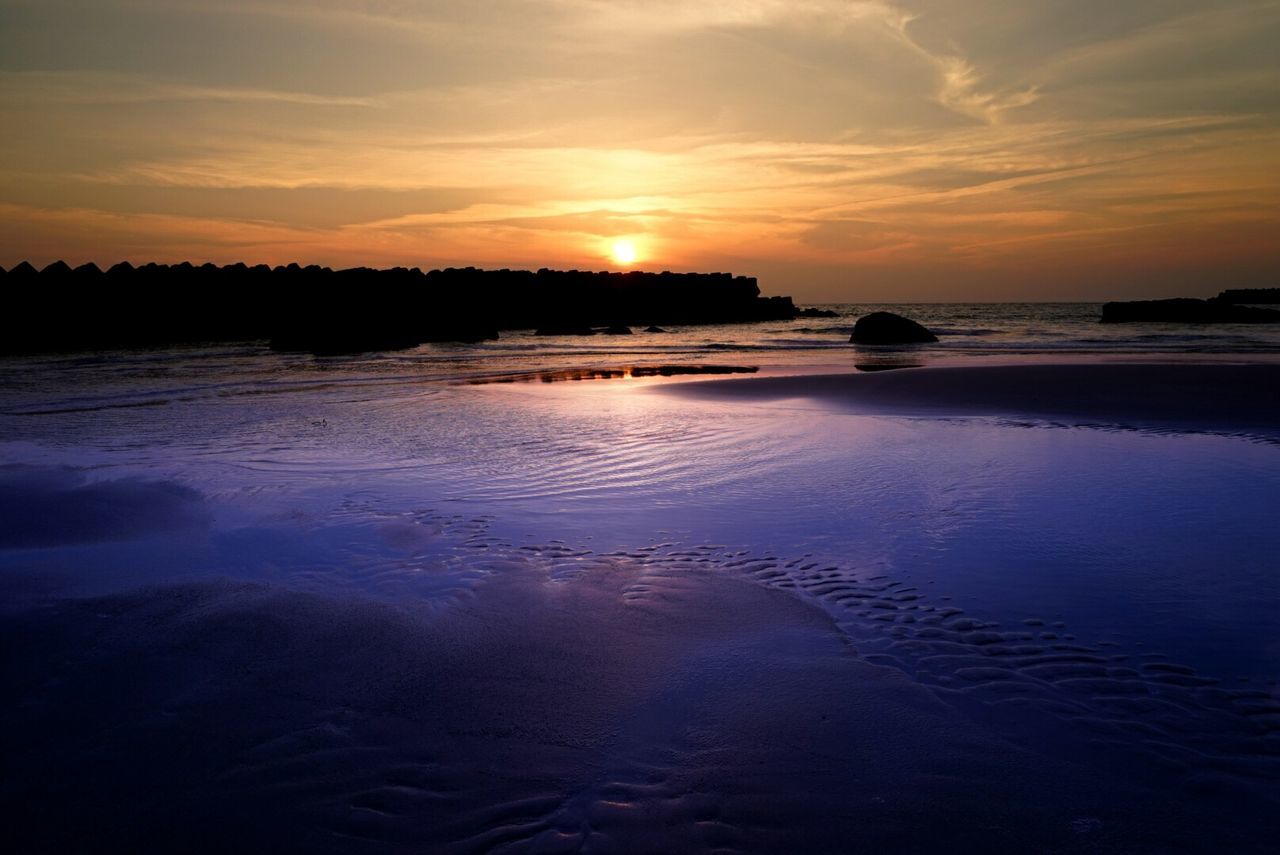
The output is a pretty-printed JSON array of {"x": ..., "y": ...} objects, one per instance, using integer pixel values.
[
  {"x": 1250, "y": 295},
  {"x": 323, "y": 310}
]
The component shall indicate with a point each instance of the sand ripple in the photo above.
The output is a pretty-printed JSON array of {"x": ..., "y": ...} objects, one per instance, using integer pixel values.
[{"x": 548, "y": 698}]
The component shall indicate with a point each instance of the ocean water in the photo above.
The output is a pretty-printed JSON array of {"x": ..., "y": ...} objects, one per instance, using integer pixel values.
[
  {"x": 987, "y": 332},
  {"x": 435, "y": 601}
]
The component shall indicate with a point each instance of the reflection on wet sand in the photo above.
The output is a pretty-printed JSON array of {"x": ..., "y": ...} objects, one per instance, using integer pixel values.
[
  {"x": 621, "y": 372},
  {"x": 886, "y": 365},
  {"x": 886, "y": 357}
]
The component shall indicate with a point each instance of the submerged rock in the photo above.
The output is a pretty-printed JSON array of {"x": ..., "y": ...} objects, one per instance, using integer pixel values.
[
  {"x": 888, "y": 328},
  {"x": 618, "y": 329},
  {"x": 654, "y": 329},
  {"x": 817, "y": 313}
]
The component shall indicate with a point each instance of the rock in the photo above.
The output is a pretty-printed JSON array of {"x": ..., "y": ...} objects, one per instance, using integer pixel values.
[
  {"x": 654, "y": 329},
  {"x": 817, "y": 313},
  {"x": 1186, "y": 311},
  {"x": 362, "y": 308},
  {"x": 888, "y": 328},
  {"x": 1250, "y": 295},
  {"x": 523, "y": 299}
]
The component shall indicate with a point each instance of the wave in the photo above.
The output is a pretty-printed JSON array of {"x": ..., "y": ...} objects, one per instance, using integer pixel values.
[
  {"x": 1125, "y": 346},
  {"x": 803, "y": 344},
  {"x": 132, "y": 399}
]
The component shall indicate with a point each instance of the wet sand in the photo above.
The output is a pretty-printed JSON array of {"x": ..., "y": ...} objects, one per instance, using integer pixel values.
[
  {"x": 548, "y": 698},
  {"x": 632, "y": 703},
  {"x": 1198, "y": 396},
  {"x": 330, "y": 664}
]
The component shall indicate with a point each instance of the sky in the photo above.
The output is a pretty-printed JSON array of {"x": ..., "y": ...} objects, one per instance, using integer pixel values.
[{"x": 862, "y": 150}]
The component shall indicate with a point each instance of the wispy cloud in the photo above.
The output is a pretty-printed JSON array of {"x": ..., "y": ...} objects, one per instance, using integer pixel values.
[
  {"x": 962, "y": 91},
  {"x": 46, "y": 88}
]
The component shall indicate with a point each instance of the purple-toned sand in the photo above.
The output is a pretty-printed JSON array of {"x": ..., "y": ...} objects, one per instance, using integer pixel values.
[
  {"x": 1191, "y": 395},
  {"x": 990, "y": 608}
]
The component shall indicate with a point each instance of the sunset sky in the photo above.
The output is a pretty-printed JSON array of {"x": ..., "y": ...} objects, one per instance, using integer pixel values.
[{"x": 932, "y": 149}]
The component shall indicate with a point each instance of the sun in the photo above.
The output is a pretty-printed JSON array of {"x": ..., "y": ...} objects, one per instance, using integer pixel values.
[{"x": 624, "y": 252}]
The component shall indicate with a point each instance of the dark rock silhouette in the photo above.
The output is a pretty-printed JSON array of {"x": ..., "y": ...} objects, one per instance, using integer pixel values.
[
  {"x": 654, "y": 329},
  {"x": 618, "y": 329},
  {"x": 323, "y": 311},
  {"x": 520, "y": 299},
  {"x": 817, "y": 313},
  {"x": 1186, "y": 311},
  {"x": 888, "y": 328},
  {"x": 1250, "y": 295},
  {"x": 23, "y": 270}
]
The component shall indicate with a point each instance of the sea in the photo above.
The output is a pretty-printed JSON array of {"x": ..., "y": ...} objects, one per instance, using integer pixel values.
[{"x": 513, "y": 596}]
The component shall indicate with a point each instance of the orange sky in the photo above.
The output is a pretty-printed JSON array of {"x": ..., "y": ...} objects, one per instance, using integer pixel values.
[{"x": 840, "y": 151}]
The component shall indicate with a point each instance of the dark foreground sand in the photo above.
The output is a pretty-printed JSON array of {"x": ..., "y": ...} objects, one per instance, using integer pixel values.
[
  {"x": 629, "y": 707},
  {"x": 1197, "y": 396}
]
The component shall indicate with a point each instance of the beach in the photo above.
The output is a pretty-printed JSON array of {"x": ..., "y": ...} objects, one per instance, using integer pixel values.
[
  {"x": 1188, "y": 396},
  {"x": 655, "y": 428},
  {"x": 1014, "y": 604}
]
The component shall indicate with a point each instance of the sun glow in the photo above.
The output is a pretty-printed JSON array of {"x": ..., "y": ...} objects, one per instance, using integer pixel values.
[{"x": 624, "y": 252}]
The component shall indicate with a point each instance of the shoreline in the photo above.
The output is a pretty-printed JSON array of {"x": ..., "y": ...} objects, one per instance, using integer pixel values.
[{"x": 1187, "y": 395}]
